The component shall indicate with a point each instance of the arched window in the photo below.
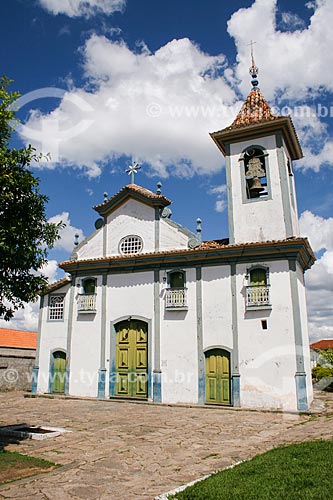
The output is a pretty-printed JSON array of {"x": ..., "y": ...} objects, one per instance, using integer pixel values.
[
  {"x": 87, "y": 298},
  {"x": 177, "y": 279},
  {"x": 255, "y": 172},
  {"x": 176, "y": 297},
  {"x": 89, "y": 286},
  {"x": 257, "y": 290}
]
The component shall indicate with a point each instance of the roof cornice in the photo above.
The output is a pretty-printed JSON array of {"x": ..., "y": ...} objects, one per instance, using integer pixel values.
[
  {"x": 292, "y": 248},
  {"x": 133, "y": 191},
  {"x": 282, "y": 124}
]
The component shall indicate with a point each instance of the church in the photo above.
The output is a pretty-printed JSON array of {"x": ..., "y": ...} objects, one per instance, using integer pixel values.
[{"x": 148, "y": 311}]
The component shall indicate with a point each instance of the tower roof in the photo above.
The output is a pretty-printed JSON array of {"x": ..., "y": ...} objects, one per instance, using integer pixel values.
[
  {"x": 255, "y": 119},
  {"x": 254, "y": 110}
]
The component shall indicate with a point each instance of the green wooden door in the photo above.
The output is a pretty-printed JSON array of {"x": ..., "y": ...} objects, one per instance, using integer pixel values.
[
  {"x": 59, "y": 371},
  {"x": 131, "y": 359},
  {"x": 218, "y": 377}
]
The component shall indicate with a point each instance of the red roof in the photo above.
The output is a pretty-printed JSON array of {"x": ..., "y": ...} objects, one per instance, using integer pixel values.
[
  {"x": 17, "y": 338},
  {"x": 322, "y": 344}
]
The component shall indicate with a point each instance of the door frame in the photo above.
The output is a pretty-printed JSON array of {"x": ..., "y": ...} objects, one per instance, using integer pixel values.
[
  {"x": 113, "y": 348},
  {"x": 51, "y": 369},
  {"x": 230, "y": 352}
]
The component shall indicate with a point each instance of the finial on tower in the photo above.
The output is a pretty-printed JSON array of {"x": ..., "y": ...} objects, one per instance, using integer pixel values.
[{"x": 253, "y": 70}]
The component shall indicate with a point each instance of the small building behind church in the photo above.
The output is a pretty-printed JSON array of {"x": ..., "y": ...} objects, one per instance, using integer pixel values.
[{"x": 149, "y": 311}]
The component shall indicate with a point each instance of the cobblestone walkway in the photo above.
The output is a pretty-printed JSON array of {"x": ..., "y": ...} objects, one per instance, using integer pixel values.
[{"x": 127, "y": 451}]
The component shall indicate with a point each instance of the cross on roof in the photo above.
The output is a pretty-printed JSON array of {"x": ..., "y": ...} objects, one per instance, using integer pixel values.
[{"x": 132, "y": 170}]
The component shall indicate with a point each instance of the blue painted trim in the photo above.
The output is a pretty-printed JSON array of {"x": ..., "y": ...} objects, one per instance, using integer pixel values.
[
  {"x": 157, "y": 386},
  {"x": 231, "y": 226},
  {"x": 35, "y": 371},
  {"x": 157, "y": 377},
  {"x": 101, "y": 383},
  {"x": 235, "y": 390},
  {"x": 302, "y": 399},
  {"x": 69, "y": 332},
  {"x": 200, "y": 353},
  {"x": 284, "y": 182},
  {"x": 300, "y": 376}
]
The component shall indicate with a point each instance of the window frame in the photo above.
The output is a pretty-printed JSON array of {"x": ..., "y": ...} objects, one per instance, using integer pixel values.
[
  {"x": 265, "y": 305},
  {"x": 244, "y": 181},
  {"x": 52, "y": 295},
  {"x": 123, "y": 240}
]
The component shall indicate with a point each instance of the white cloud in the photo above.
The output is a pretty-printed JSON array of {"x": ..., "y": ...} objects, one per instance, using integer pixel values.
[
  {"x": 27, "y": 318},
  {"x": 157, "y": 108},
  {"x": 318, "y": 230},
  {"x": 67, "y": 234},
  {"x": 319, "y": 279},
  {"x": 84, "y": 8},
  {"x": 220, "y": 192},
  {"x": 295, "y": 63},
  {"x": 291, "y": 21}
]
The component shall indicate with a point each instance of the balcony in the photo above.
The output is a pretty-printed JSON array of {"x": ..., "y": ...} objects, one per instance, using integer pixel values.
[
  {"x": 257, "y": 297},
  {"x": 176, "y": 299},
  {"x": 86, "y": 303}
]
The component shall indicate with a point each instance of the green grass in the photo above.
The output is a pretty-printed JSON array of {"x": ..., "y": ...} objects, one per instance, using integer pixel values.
[
  {"x": 297, "y": 472},
  {"x": 14, "y": 466}
]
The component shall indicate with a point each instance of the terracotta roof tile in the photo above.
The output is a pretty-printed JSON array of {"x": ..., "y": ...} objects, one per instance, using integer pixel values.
[
  {"x": 322, "y": 344},
  {"x": 254, "y": 110},
  {"x": 57, "y": 284},
  {"x": 206, "y": 245},
  {"x": 135, "y": 189},
  {"x": 18, "y": 338}
]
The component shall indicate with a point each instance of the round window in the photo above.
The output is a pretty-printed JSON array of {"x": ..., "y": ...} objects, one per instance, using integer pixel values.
[{"x": 131, "y": 244}]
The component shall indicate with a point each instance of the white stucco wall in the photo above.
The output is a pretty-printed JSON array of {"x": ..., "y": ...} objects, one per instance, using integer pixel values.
[
  {"x": 131, "y": 218},
  {"x": 258, "y": 219},
  {"x": 267, "y": 357},
  {"x": 179, "y": 349},
  {"x": 216, "y": 295},
  {"x": 292, "y": 193},
  {"x": 53, "y": 337},
  {"x": 171, "y": 237},
  {"x": 91, "y": 247}
]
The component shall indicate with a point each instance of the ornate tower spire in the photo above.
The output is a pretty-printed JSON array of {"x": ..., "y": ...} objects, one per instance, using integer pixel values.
[{"x": 254, "y": 70}]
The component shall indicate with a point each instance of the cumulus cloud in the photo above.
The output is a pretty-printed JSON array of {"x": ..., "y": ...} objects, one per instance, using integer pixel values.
[
  {"x": 319, "y": 279},
  {"x": 291, "y": 21},
  {"x": 221, "y": 193},
  {"x": 155, "y": 107},
  {"x": 83, "y": 8},
  {"x": 280, "y": 54},
  {"x": 27, "y": 318},
  {"x": 67, "y": 234}
]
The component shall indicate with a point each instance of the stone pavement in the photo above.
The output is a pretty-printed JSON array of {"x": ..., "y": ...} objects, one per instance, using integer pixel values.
[{"x": 121, "y": 450}]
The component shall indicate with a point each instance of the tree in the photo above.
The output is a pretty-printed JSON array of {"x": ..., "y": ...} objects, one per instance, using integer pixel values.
[{"x": 25, "y": 233}]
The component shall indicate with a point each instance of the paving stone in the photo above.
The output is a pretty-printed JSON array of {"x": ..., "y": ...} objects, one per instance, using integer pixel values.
[{"x": 137, "y": 451}]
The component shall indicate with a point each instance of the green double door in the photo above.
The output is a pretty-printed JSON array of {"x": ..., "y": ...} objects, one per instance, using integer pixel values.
[
  {"x": 131, "y": 359},
  {"x": 218, "y": 377},
  {"x": 59, "y": 372}
]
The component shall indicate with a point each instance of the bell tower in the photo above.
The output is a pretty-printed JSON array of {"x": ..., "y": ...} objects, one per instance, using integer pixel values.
[{"x": 259, "y": 148}]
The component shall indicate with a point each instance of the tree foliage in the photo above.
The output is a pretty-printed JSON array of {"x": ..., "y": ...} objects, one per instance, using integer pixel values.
[
  {"x": 327, "y": 354},
  {"x": 25, "y": 233}
]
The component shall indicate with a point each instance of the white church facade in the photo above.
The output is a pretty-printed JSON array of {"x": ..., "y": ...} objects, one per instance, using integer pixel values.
[{"x": 150, "y": 311}]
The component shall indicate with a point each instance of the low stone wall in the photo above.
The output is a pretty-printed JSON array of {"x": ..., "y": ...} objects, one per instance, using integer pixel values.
[{"x": 16, "y": 369}]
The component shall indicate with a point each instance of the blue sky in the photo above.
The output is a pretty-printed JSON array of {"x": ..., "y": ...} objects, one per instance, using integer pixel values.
[{"x": 116, "y": 81}]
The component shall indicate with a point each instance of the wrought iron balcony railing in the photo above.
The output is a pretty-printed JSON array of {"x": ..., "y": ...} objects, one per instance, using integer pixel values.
[
  {"x": 86, "y": 302},
  {"x": 176, "y": 298},
  {"x": 257, "y": 296}
]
